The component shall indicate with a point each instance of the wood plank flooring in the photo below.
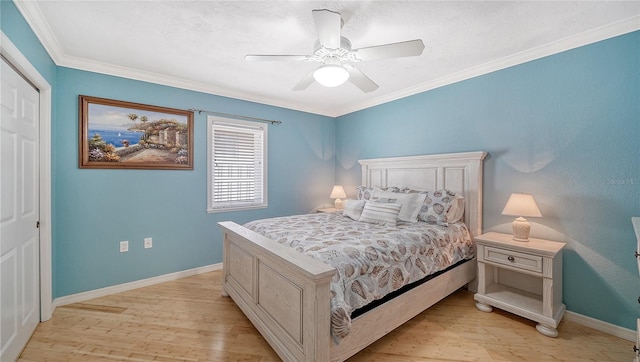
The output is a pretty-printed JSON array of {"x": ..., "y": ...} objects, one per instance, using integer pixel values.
[{"x": 188, "y": 320}]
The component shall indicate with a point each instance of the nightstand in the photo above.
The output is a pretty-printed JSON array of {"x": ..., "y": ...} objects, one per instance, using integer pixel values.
[
  {"x": 524, "y": 278},
  {"x": 328, "y": 210}
]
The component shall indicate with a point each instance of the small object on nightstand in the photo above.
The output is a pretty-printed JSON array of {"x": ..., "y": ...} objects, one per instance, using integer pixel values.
[
  {"x": 327, "y": 210},
  {"x": 338, "y": 193},
  {"x": 521, "y": 278},
  {"x": 521, "y": 205}
]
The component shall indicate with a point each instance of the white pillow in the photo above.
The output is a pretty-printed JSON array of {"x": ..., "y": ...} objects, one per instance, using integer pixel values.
[
  {"x": 380, "y": 213},
  {"x": 353, "y": 209},
  {"x": 411, "y": 203}
]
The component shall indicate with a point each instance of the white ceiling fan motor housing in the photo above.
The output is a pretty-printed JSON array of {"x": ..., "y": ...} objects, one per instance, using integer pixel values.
[{"x": 342, "y": 54}]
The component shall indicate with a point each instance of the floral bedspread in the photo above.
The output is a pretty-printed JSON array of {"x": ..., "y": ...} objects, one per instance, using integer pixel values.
[{"x": 371, "y": 260}]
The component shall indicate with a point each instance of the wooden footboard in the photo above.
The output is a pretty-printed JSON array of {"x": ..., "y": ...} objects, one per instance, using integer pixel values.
[
  {"x": 284, "y": 293},
  {"x": 376, "y": 323},
  {"x": 286, "y": 296}
]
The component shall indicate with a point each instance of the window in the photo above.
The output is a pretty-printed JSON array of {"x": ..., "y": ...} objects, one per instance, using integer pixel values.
[{"x": 237, "y": 167}]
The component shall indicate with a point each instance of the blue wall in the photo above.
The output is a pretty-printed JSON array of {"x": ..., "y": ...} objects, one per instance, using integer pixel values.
[
  {"x": 95, "y": 209},
  {"x": 565, "y": 128}
]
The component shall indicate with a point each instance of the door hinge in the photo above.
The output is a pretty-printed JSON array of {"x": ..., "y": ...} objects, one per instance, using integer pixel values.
[{"x": 37, "y": 224}]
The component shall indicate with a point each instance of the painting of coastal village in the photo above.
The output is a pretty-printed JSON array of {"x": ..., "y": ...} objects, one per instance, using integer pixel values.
[{"x": 118, "y": 134}]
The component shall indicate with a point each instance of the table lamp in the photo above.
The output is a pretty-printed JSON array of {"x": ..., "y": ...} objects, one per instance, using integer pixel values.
[
  {"x": 521, "y": 205},
  {"x": 338, "y": 193}
]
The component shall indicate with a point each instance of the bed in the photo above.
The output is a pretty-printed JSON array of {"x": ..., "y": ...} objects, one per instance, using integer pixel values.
[{"x": 286, "y": 294}]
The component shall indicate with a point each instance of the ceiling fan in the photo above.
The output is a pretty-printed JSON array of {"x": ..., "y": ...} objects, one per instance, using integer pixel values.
[{"x": 334, "y": 53}]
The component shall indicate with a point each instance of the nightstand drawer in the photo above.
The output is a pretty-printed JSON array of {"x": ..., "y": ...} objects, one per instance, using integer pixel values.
[{"x": 513, "y": 259}]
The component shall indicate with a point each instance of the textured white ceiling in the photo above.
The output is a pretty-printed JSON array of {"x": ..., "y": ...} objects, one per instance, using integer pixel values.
[{"x": 201, "y": 45}]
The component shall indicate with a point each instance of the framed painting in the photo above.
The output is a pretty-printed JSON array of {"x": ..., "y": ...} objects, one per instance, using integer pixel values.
[{"x": 118, "y": 134}]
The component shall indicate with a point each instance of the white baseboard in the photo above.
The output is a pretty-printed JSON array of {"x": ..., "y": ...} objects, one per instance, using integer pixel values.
[
  {"x": 612, "y": 329},
  {"x": 596, "y": 324},
  {"x": 81, "y": 297}
]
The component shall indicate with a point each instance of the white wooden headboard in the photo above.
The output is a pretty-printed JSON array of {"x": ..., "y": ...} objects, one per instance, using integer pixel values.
[{"x": 457, "y": 172}]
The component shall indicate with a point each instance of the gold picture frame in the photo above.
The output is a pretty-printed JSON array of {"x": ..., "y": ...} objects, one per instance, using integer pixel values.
[{"x": 124, "y": 135}]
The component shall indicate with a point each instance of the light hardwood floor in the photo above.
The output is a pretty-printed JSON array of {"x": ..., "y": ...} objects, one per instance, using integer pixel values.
[{"x": 188, "y": 320}]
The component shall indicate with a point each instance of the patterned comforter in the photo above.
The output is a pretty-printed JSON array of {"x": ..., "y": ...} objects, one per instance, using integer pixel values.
[{"x": 371, "y": 260}]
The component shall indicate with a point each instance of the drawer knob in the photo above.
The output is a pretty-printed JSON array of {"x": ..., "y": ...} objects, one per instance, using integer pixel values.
[{"x": 511, "y": 258}]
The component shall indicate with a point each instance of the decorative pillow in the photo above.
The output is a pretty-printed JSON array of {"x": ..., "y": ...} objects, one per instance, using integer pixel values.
[
  {"x": 353, "y": 209},
  {"x": 440, "y": 206},
  {"x": 411, "y": 203},
  {"x": 457, "y": 209},
  {"x": 380, "y": 213},
  {"x": 366, "y": 193},
  {"x": 436, "y": 206}
]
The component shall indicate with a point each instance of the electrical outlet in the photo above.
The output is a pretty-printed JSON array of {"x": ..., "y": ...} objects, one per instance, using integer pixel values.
[
  {"x": 148, "y": 243},
  {"x": 124, "y": 246}
]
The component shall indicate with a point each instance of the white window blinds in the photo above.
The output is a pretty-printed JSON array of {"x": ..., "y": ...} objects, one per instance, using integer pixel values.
[{"x": 237, "y": 165}]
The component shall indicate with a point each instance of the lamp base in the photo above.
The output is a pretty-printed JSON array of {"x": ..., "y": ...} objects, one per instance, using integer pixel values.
[
  {"x": 521, "y": 229},
  {"x": 338, "y": 204}
]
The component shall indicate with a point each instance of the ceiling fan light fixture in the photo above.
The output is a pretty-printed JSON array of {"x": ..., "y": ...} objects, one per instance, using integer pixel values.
[{"x": 331, "y": 75}]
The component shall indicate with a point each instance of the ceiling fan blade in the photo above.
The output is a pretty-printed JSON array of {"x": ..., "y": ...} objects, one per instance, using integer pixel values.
[
  {"x": 304, "y": 82},
  {"x": 360, "y": 80},
  {"x": 276, "y": 58},
  {"x": 328, "y": 24},
  {"x": 394, "y": 50}
]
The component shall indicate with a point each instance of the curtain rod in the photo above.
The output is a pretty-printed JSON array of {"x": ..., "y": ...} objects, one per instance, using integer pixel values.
[{"x": 246, "y": 118}]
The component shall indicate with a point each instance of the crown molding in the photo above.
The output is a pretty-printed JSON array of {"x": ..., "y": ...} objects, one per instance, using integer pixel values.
[
  {"x": 34, "y": 17},
  {"x": 592, "y": 36},
  {"x": 161, "y": 79},
  {"x": 36, "y": 20}
]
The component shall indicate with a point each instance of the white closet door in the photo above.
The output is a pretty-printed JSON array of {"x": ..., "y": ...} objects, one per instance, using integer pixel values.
[
  {"x": 635, "y": 221},
  {"x": 636, "y": 227},
  {"x": 637, "y": 345},
  {"x": 19, "y": 212}
]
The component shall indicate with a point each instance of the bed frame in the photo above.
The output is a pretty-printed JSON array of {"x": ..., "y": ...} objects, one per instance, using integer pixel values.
[{"x": 285, "y": 294}]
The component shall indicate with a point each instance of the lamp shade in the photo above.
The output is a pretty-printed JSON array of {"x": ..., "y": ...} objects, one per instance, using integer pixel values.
[
  {"x": 331, "y": 75},
  {"x": 338, "y": 192},
  {"x": 521, "y": 205}
]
